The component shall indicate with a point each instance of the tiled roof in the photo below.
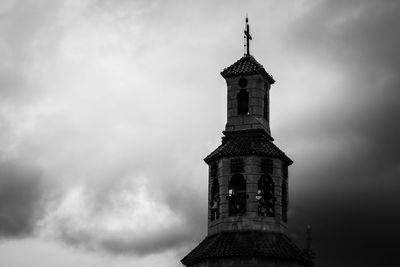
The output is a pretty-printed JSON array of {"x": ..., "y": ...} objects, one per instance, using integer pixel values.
[
  {"x": 247, "y": 244},
  {"x": 247, "y": 65},
  {"x": 245, "y": 144}
]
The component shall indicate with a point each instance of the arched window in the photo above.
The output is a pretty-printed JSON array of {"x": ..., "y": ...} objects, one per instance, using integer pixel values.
[
  {"x": 243, "y": 102},
  {"x": 284, "y": 200},
  {"x": 214, "y": 203},
  {"x": 267, "y": 166},
  {"x": 266, "y": 101},
  {"x": 266, "y": 106},
  {"x": 237, "y": 195},
  {"x": 214, "y": 169},
  {"x": 266, "y": 196},
  {"x": 285, "y": 170}
]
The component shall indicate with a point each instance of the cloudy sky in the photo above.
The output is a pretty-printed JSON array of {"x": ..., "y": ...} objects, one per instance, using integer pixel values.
[{"x": 107, "y": 109}]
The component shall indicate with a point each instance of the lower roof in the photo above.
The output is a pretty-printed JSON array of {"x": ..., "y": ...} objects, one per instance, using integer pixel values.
[
  {"x": 246, "y": 143},
  {"x": 247, "y": 244}
]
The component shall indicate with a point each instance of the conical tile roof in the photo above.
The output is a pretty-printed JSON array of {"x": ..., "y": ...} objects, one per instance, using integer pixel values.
[
  {"x": 247, "y": 244},
  {"x": 247, "y": 65}
]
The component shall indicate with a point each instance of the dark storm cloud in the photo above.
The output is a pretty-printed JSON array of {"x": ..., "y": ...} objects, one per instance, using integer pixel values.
[
  {"x": 130, "y": 241},
  {"x": 90, "y": 224},
  {"x": 30, "y": 44},
  {"x": 22, "y": 187},
  {"x": 163, "y": 241},
  {"x": 353, "y": 197},
  {"x": 21, "y": 196},
  {"x": 102, "y": 143}
]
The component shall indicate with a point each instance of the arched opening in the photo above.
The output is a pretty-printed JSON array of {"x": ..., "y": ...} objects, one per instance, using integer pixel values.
[
  {"x": 237, "y": 195},
  {"x": 214, "y": 203},
  {"x": 214, "y": 169},
  {"x": 284, "y": 200},
  {"x": 266, "y": 106},
  {"x": 267, "y": 166},
  {"x": 266, "y": 196},
  {"x": 285, "y": 170},
  {"x": 243, "y": 102}
]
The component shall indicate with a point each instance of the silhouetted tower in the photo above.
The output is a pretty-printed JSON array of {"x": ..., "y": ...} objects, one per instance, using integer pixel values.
[{"x": 248, "y": 181}]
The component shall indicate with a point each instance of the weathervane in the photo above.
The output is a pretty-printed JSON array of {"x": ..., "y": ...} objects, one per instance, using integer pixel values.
[{"x": 247, "y": 36}]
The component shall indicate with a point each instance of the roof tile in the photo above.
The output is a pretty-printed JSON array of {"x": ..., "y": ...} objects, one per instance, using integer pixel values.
[
  {"x": 247, "y": 65},
  {"x": 247, "y": 243},
  {"x": 242, "y": 144}
]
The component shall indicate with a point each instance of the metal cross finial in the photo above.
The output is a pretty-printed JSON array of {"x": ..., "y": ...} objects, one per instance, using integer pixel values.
[{"x": 247, "y": 36}]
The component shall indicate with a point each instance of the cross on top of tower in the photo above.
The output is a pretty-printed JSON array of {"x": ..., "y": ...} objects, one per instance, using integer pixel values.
[{"x": 247, "y": 36}]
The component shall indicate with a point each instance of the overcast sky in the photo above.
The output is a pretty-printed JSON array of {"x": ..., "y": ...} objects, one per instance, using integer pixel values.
[{"x": 107, "y": 109}]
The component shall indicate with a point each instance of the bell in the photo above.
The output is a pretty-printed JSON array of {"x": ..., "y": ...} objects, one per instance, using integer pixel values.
[
  {"x": 231, "y": 192},
  {"x": 259, "y": 195}
]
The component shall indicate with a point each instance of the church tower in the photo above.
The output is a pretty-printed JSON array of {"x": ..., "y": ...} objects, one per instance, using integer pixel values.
[{"x": 248, "y": 181}]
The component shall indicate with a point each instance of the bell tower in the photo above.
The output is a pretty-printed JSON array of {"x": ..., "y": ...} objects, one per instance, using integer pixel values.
[{"x": 248, "y": 180}]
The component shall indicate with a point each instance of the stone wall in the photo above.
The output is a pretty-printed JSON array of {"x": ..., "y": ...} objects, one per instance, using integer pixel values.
[
  {"x": 257, "y": 87},
  {"x": 250, "y": 220}
]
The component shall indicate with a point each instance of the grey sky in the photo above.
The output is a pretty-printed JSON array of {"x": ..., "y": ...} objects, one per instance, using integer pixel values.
[{"x": 107, "y": 109}]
